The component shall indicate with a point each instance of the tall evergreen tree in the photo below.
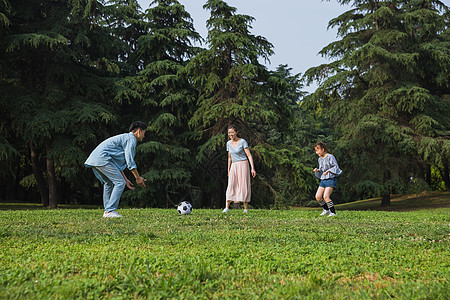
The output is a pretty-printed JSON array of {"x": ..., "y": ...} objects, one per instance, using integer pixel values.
[
  {"x": 8, "y": 153},
  {"x": 163, "y": 97},
  {"x": 288, "y": 151},
  {"x": 234, "y": 87},
  {"x": 59, "y": 60},
  {"x": 387, "y": 92},
  {"x": 125, "y": 20}
]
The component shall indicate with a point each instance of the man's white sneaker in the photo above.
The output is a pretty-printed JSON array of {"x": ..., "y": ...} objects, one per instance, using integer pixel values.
[
  {"x": 225, "y": 210},
  {"x": 111, "y": 214},
  {"x": 332, "y": 214},
  {"x": 245, "y": 210},
  {"x": 325, "y": 212}
]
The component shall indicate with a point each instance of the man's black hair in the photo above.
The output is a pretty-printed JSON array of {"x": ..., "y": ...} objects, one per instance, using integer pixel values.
[{"x": 138, "y": 125}]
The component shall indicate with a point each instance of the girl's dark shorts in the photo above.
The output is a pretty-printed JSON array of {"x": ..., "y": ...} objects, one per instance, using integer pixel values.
[{"x": 330, "y": 182}]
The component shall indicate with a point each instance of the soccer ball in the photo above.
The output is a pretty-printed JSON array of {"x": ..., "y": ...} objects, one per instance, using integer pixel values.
[{"x": 184, "y": 208}]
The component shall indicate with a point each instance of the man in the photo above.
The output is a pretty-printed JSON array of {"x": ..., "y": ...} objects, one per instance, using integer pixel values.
[{"x": 109, "y": 160}]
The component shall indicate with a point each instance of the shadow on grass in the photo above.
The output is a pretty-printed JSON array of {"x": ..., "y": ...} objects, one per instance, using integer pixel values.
[
  {"x": 424, "y": 200},
  {"x": 38, "y": 206}
]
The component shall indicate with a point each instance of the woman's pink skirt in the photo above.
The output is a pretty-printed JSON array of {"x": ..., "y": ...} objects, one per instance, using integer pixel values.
[{"x": 239, "y": 189}]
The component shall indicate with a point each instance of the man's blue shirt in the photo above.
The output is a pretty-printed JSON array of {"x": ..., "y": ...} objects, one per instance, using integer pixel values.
[{"x": 119, "y": 150}]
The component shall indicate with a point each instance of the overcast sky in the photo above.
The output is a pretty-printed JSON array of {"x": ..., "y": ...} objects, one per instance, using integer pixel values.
[{"x": 296, "y": 28}]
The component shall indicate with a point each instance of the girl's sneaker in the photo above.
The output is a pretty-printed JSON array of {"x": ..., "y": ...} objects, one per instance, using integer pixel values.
[
  {"x": 325, "y": 212},
  {"x": 332, "y": 214},
  {"x": 245, "y": 210},
  {"x": 225, "y": 210}
]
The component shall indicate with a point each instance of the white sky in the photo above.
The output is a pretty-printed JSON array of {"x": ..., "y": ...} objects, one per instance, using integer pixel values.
[{"x": 296, "y": 28}]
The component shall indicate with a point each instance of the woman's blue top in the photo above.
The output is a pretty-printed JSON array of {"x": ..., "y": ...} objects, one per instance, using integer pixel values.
[{"x": 237, "y": 152}]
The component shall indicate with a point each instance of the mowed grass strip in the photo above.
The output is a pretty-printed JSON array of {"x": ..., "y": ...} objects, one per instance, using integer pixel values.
[{"x": 267, "y": 254}]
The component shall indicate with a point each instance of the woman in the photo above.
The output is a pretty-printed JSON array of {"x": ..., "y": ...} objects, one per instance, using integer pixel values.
[{"x": 239, "y": 155}]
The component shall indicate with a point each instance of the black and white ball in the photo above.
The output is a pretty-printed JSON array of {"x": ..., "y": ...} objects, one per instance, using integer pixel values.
[{"x": 184, "y": 208}]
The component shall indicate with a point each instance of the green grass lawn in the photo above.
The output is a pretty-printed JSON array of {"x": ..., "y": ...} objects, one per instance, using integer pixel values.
[{"x": 265, "y": 254}]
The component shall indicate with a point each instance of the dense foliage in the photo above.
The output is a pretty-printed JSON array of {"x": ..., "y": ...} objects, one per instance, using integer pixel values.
[
  {"x": 388, "y": 95},
  {"x": 164, "y": 99},
  {"x": 73, "y": 73}
]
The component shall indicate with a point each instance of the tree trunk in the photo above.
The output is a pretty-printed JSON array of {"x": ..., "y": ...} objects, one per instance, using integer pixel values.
[
  {"x": 167, "y": 195},
  {"x": 377, "y": 26},
  {"x": 445, "y": 175},
  {"x": 386, "y": 199},
  {"x": 428, "y": 175},
  {"x": 222, "y": 195},
  {"x": 38, "y": 175},
  {"x": 52, "y": 186}
]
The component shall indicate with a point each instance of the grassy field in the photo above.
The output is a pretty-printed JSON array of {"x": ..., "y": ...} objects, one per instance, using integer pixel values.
[{"x": 266, "y": 254}]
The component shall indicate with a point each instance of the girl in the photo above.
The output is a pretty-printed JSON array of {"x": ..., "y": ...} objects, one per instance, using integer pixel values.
[
  {"x": 239, "y": 156},
  {"x": 327, "y": 173}
]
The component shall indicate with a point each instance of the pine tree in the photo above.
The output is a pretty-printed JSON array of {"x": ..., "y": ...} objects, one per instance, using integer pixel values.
[
  {"x": 387, "y": 92},
  {"x": 163, "y": 97},
  {"x": 234, "y": 87},
  {"x": 8, "y": 153},
  {"x": 59, "y": 64},
  {"x": 125, "y": 20},
  {"x": 288, "y": 154}
]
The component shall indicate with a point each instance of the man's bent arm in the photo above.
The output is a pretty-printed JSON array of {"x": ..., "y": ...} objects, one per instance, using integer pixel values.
[{"x": 139, "y": 180}]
